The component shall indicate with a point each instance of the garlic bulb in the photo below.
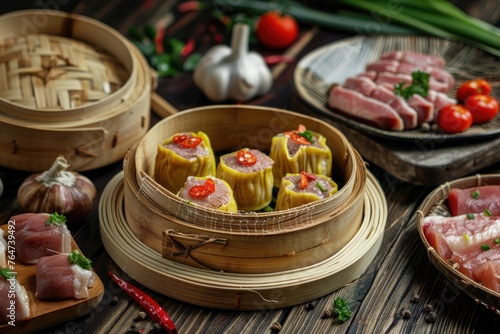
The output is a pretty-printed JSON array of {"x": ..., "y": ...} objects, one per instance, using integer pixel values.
[{"x": 58, "y": 190}]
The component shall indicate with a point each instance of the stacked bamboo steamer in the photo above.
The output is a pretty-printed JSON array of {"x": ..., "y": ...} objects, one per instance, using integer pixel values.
[
  {"x": 244, "y": 260},
  {"x": 245, "y": 242},
  {"x": 70, "y": 86}
]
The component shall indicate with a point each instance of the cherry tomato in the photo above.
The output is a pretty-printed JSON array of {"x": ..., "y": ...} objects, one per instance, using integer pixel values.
[
  {"x": 482, "y": 107},
  {"x": 246, "y": 158},
  {"x": 454, "y": 119},
  {"x": 472, "y": 87},
  {"x": 276, "y": 30},
  {"x": 191, "y": 142}
]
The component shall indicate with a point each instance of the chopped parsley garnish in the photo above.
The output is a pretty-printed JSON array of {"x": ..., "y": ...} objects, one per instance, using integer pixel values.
[
  {"x": 419, "y": 85},
  {"x": 76, "y": 258},
  {"x": 56, "y": 219},
  {"x": 341, "y": 308},
  {"x": 307, "y": 135}
]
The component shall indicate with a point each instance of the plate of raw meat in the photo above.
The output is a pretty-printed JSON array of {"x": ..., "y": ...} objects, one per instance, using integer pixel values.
[
  {"x": 459, "y": 224},
  {"x": 353, "y": 81}
]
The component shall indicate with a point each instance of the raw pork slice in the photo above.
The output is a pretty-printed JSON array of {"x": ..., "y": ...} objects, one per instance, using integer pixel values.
[
  {"x": 370, "y": 110},
  {"x": 3, "y": 251},
  {"x": 488, "y": 274},
  {"x": 21, "y": 309},
  {"x": 414, "y": 58},
  {"x": 57, "y": 278},
  {"x": 454, "y": 234},
  {"x": 36, "y": 238},
  {"x": 471, "y": 258},
  {"x": 473, "y": 200}
]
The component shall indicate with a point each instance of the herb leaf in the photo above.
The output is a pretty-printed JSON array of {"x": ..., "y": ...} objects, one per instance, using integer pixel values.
[
  {"x": 341, "y": 308},
  {"x": 419, "y": 85},
  {"x": 56, "y": 219},
  {"x": 76, "y": 258}
]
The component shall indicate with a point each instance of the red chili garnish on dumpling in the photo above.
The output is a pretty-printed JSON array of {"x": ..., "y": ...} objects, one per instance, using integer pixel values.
[
  {"x": 191, "y": 142},
  {"x": 179, "y": 138},
  {"x": 202, "y": 190},
  {"x": 300, "y": 136},
  {"x": 246, "y": 158},
  {"x": 305, "y": 178}
]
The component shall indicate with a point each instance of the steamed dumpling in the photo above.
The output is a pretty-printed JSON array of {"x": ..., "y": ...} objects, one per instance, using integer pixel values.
[
  {"x": 303, "y": 188},
  {"x": 249, "y": 173},
  {"x": 183, "y": 155},
  {"x": 210, "y": 192},
  {"x": 300, "y": 150}
]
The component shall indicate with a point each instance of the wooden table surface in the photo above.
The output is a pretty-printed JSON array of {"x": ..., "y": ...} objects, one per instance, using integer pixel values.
[{"x": 400, "y": 270}]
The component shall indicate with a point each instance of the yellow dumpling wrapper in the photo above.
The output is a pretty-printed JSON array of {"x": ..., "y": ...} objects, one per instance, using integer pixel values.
[
  {"x": 252, "y": 186},
  {"x": 290, "y": 196},
  {"x": 308, "y": 158},
  {"x": 172, "y": 170},
  {"x": 220, "y": 199}
]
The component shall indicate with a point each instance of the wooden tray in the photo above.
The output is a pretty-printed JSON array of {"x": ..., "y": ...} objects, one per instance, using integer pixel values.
[
  {"x": 236, "y": 291},
  {"x": 46, "y": 313}
]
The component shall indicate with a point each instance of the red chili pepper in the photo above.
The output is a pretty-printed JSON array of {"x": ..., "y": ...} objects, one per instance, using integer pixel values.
[
  {"x": 305, "y": 178},
  {"x": 191, "y": 142},
  {"x": 189, "y": 6},
  {"x": 276, "y": 59},
  {"x": 188, "y": 48},
  {"x": 246, "y": 158},
  {"x": 160, "y": 34},
  {"x": 179, "y": 138},
  {"x": 154, "y": 310},
  {"x": 203, "y": 190},
  {"x": 293, "y": 135}
]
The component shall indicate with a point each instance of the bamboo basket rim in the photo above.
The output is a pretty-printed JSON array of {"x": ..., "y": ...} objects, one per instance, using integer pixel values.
[
  {"x": 489, "y": 298},
  {"x": 356, "y": 180},
  {"x": 126, "y": 57},
  {"x": 273, "y": 227},
  {"x": 232, "y": 290}
]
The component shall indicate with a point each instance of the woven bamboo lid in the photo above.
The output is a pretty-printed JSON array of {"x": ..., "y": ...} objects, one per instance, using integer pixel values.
[{"x": 47, "y": 72}]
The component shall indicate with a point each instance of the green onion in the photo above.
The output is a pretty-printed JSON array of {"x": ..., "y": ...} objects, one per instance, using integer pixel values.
[
  {"x": 320, "y": 187},
  {"x": 487, "y": 212},
  {"x": 466, "y": 237},
  {"x": 485, "y": 247},
  {"x": 470, "y": 215},
  {"x": 317, "y": 17},
  {"x": 56, "y": 219},
  {"x": 76, "y": 258},
  {"x": 307, "y": 135},
  {"x": 7, "y": 274},
  {"x": 475, "y": 194},
  {"x": 497, "y": 241}
]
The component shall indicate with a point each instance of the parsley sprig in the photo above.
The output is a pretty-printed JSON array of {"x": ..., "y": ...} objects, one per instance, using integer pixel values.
[
  {"x": 419, "y": 85},
  {"x": 341, "y": 308}
]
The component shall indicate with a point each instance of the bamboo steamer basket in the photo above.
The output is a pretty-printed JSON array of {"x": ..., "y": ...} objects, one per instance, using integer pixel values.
[
  {"x": 243, "y": 242},
  {"x": 435, "y": 204},
  {"x": 71, "y": 86}
]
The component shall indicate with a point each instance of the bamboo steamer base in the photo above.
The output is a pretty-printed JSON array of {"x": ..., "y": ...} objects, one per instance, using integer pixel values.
[
  {"x": 435, "y": 203},
  {"x": 236, "y": 291}
]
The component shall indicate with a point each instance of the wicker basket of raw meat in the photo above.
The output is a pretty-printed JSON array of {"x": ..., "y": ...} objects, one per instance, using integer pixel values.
[{"x": 459, "y": 224}]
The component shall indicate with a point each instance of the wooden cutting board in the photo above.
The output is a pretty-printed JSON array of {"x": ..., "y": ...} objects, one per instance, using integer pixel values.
[{"x": 46, "y": 313}]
